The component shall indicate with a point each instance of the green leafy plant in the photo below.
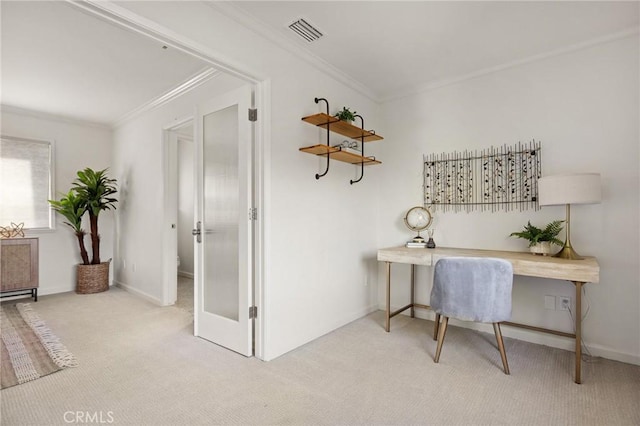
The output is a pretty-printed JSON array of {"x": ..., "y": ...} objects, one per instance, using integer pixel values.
[
  {"x": 92, "y": 192},
  {"x": 537, "y": 235},
  {"x": 346, "y": 114},
  {"x": 72, "y": 208}
]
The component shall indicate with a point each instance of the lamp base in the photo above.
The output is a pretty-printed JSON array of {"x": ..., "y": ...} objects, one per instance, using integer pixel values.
[{"x": 568, "y": 252}]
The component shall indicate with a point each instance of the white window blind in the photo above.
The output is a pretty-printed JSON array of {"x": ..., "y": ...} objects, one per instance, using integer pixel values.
[{"x": 26, "y": 170}]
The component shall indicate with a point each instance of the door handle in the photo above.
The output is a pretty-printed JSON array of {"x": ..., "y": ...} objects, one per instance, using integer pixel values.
[{"x": 197, "y": 232}]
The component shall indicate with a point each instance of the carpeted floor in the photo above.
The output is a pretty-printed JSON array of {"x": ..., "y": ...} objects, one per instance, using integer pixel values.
[
  {"x": 185, "y": 294},
  {"x": 140, "y": 365}
]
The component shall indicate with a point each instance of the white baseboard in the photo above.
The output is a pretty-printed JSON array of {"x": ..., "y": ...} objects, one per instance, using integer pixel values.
[
  {"x": 185, "y": 274},
  {"x": 604, "y": 352},
  {"x": 139, "y": 293},
  {"x": 43, "y": 291},
  {"x": 533, "y": 337}
]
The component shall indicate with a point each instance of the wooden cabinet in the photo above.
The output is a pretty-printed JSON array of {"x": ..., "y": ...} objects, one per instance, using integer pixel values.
[{"x": 19, "y": 267}]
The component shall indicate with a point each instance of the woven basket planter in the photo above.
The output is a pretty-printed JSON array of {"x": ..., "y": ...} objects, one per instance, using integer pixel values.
[{"x": 93, "y": 278}]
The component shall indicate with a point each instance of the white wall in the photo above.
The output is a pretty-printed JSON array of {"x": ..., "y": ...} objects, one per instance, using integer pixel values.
[
  {"x": 185, "y": 206},
  {"x": 583, "y": 107},
  {"x": 320, "y": 267},
  {"x": 77, "y": 146}
]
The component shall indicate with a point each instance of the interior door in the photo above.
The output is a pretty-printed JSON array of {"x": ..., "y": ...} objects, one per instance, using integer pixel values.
[{"x": 223, "y": 240}]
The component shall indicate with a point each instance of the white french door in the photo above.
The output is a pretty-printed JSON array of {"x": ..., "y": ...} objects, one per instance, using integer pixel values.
[{"x": 223, "y": 244}]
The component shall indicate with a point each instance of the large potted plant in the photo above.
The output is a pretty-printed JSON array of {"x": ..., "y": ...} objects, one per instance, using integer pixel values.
[
  {"x": 541, "y": 239},
  {"x": 92, "y": 192}
]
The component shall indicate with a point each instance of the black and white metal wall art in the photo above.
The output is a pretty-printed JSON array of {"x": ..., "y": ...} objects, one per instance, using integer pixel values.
[{"x": 495, "y": 178}]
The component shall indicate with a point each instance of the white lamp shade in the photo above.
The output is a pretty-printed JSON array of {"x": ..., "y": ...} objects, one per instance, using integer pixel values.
[{"x": 582, "y": 188}]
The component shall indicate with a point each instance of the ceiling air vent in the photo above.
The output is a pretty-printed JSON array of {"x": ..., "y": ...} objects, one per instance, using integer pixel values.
[{"x": 305, "y": 30}]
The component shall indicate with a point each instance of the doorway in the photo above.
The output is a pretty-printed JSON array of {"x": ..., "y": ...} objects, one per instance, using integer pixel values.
[
  {"x": 210, "y": 176},
  {"x": 261, "y": 133},
  {"x": 179, "y": 210},
  {"x": 185, "y": 218}
]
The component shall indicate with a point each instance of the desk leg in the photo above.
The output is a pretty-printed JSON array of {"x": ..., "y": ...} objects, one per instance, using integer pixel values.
[
  {"x": 578, "y": 315},
  {"x": 413, "y": 289},
  {"x": 388, "y": 314}
]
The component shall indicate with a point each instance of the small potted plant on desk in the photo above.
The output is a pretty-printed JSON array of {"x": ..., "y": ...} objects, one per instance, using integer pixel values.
[
  {"x": 92, "y": 192},
  {"x": 540, "y": 239}
]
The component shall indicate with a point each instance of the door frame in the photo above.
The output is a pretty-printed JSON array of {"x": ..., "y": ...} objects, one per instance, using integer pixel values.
[
  {"x": 261, "y": 141},
  {"x": 170, "y": 213}
]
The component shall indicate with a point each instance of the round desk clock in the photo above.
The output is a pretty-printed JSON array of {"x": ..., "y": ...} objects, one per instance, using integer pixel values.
[{"x": 418, "y": 219}]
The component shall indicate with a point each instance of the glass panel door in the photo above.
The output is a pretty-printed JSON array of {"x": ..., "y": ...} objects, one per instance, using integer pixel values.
[
  {"x": 223, "y": 267},
  {"x": 221, "y": 212}
]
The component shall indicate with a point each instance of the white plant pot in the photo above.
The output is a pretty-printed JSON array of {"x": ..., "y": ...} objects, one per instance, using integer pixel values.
[{"x": 543, "y": 248}]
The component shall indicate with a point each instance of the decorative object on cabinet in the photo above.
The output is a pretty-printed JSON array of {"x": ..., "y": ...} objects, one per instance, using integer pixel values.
[
  {"x": 19, "y": 267},
  {"x": 91, "y": 192},
  {"x": 567, "y": 189},
  {"x": 540, "y": 239},
  {"x": 12, "y": 231},
  {"x": 417, "y": 219},
  {"x": 494, "y": 178},
  {"x": 335, "y": 125}
]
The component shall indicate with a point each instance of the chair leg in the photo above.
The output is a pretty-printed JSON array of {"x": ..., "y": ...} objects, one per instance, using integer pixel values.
[
  {"x": 435, "y": 327},
  {"x": 441, "y": 333},
  {"x": 503, "y": 354}
]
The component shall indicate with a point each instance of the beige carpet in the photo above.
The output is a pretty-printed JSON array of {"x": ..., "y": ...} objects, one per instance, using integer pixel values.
[
  {"x": 140, "y": 365},
  {"x": 28, "y": 348},
  {"x": 185, "y": 294}
]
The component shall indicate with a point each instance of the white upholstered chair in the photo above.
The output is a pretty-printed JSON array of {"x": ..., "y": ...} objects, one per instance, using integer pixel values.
[{"x": 472, "y": 289}]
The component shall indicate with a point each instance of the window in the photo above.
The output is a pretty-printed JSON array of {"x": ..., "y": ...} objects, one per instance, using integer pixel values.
[{"x": 26, "y": 182}]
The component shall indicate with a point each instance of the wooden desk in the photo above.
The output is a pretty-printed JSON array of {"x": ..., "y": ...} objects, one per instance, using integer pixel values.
[{"x": 578, "y": 272}]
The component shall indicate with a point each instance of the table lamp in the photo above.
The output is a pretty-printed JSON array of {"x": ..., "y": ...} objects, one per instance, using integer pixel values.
[{"x": 567, "y": 189}]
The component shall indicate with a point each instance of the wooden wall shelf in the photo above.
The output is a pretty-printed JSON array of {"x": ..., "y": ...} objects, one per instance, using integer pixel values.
[
  {"x": 335, "y": 125},
  {"x": 337, "y": 154},
  {"x": 341, "y": 127}
]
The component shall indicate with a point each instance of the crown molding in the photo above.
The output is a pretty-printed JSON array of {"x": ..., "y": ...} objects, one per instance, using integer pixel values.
[
  {"x": 190, "y": 84},
  {"x": 243, "y": 18},
  {"x": 629, "y": 32},
  {"x": 41, "y": 115}
]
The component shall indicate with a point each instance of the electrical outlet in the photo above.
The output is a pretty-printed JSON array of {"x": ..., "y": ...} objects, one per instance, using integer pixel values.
[
  {"x": 133, "y": 267},
  {"x": 564, "y": 303}
]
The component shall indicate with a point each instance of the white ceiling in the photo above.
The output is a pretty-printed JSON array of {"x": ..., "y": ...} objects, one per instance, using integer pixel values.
[
  {"x": 58, "y": 59},
  {"x": 395, "y": 47}
]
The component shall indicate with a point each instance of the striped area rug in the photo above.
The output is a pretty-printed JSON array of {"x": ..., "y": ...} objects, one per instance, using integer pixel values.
[{"x": 28, "y": 348}]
